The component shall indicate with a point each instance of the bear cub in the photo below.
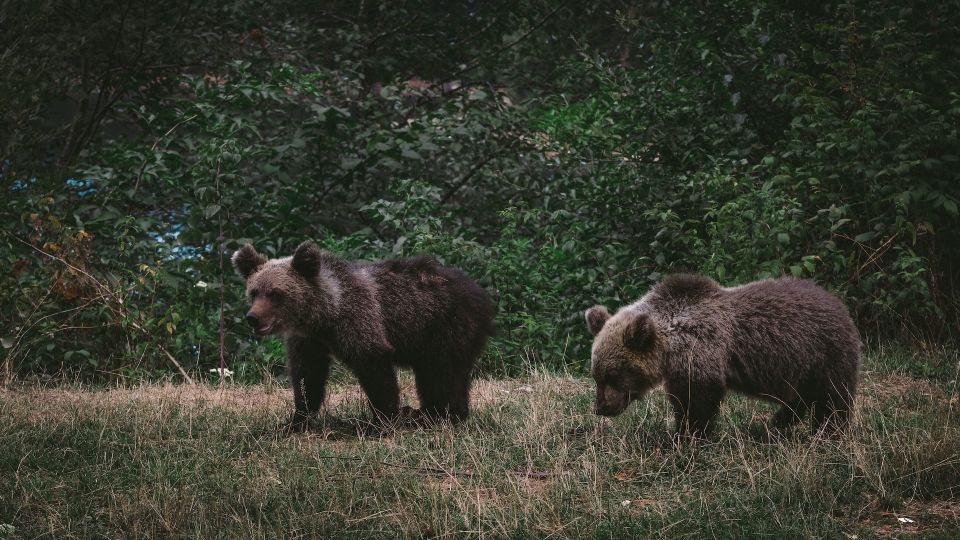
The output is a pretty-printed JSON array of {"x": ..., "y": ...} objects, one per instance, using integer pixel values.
[
  {"x": 783, "y": 340},
  {"x": 373, "y": 317}
]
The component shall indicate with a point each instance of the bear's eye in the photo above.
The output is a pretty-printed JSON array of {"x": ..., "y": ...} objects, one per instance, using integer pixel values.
[
  {"x": 253, "y": 294},
  {"x": 275, "y": 295}
]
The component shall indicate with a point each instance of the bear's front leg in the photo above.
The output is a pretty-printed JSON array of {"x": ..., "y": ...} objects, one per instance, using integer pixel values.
[
  {"x": 308, "y": 363},
  {"x": 695, "y": 405}
]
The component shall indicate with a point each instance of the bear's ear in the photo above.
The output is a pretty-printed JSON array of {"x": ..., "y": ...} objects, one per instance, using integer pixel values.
[
  {"x": 640, "y": 334},
  {"x": 596, "y": 317},
  {"x": 246, "y": 260},
  {"x": 306, "y": 259}
]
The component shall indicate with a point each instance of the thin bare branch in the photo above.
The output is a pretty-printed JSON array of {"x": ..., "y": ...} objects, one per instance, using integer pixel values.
[{"x": 116, "y": 304}]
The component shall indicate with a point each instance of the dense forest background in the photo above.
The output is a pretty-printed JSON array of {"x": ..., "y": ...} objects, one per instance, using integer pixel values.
[{"x": 563, "y": 153}]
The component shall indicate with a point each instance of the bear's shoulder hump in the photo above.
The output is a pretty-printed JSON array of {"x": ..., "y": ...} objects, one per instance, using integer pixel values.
[{"x": 690, "y": 287}]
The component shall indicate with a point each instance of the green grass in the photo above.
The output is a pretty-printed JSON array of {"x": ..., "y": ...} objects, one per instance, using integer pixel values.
[{"x": 531, "y": 462}]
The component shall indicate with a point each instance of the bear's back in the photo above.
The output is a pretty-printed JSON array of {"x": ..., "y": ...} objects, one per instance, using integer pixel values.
[
  {"x": 767, "y": 334},
  {"x": 687, "y": 288},
  {"x": 774, "y": 303},
  {"x": 782, "y": 329},
  {"x": 424, "y": 302},
  {"x": 796, "y": 303}
]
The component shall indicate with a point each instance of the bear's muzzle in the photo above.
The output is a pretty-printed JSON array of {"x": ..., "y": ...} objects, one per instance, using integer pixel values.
[{"x": 610, "y": 401}]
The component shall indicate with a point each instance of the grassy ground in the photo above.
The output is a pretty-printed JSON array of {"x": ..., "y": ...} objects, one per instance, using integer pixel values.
[{"x": 173, "y": 461}]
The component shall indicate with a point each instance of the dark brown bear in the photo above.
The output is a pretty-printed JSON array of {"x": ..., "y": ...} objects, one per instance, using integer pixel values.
[
  {"x": 373, "y": 317},
  {"x": 783, "y": 340}
]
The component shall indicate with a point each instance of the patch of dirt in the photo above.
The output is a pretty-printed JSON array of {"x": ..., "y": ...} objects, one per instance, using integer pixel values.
[
  {"x": 533, "y": 486},
  {"x": 913, "y": 518},
  {"x": 493, "y": 391},
  {"x": 877, "y": 388},
  {"x": 348, "y": 394}
]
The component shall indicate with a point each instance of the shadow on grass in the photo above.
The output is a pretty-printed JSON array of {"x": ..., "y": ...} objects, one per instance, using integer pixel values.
[{"x": 328, "y": 427}]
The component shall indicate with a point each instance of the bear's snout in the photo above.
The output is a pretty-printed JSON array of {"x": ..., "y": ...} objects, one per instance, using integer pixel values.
[
  {"x": 610, "y": 401},
  {"x": 262, "y": 323},
  {"x": 599, "y": 410},
  {"x": 606, "y": 410}
]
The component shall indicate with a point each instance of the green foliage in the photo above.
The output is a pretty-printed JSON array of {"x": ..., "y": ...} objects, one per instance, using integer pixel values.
[
  {"x": 801, "y": 146},
  {"x": 563, "y": 155}
]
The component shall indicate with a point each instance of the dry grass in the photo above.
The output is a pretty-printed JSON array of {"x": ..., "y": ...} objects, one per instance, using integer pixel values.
[{"x": 172, "y": 461}]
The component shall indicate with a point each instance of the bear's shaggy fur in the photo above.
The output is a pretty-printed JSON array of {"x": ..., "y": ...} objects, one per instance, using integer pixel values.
[
  {"x": 784, "y": 340},
  {"x": 373, "y": 317}
]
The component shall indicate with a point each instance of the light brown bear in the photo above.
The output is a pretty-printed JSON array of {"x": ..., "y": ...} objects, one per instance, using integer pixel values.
[
  {"x": 373, "y": 317},
  {"x": 783, "y": 340}
]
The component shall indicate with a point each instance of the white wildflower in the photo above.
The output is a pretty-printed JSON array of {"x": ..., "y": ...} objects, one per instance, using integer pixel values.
[
  {"x": 226, "y": 372},
  {"x": 202, "y": 284}
]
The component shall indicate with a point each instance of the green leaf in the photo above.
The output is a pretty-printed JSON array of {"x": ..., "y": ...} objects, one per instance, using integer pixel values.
[
  {"x": 349, "y": 162},
  {"x": 211, "y": 211},
  {"x": 80, "y": 352},
  {"x": 950, "y": 207},
  {"x": 840, "y": 223},
  {"x": 783, "y": 238},
  {"x": 865, "y": 237},
  {"x": 390, "y": 163},
  {"x": 398, "y": 245},
  {"x": 410, "y": 154}
]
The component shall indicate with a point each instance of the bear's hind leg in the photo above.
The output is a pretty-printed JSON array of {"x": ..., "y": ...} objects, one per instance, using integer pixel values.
[
  {"x": 443, "y": 393},
  {"x": 458, "y": 393},
  {"x": 379, "y": 381},
  {"x": 833, "y": 401},
  {"x": 789, "y": 414},
  {"x": 431, "y": 390},
  {"x": 829, "y": 418},
  {"x": 831, "y": 412}
]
